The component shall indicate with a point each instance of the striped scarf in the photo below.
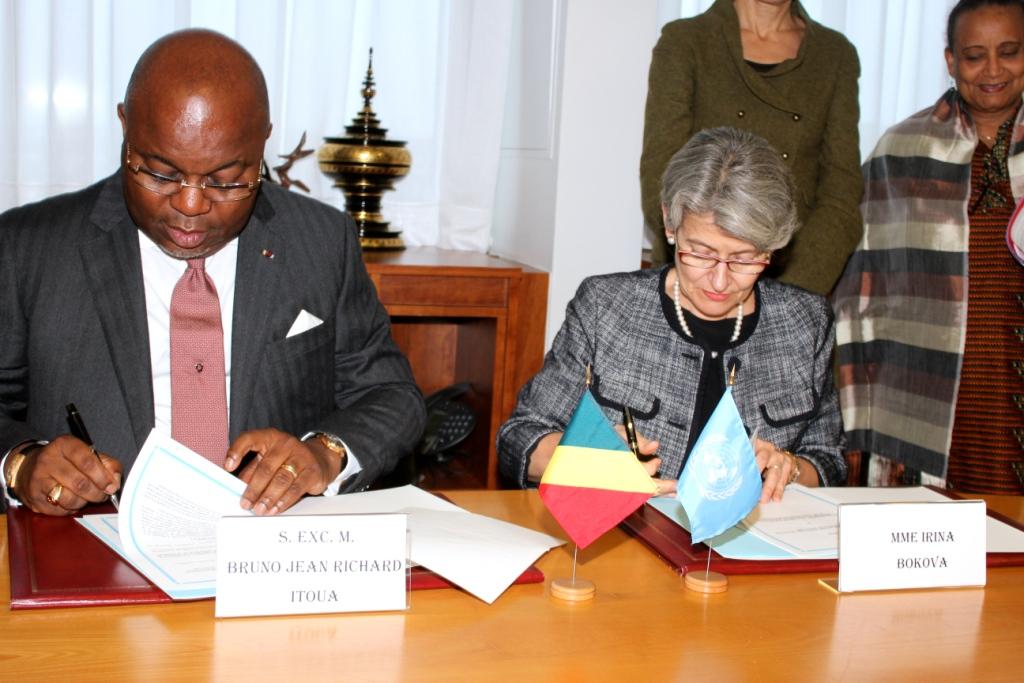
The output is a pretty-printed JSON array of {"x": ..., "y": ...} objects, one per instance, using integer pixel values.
[{"x": 901, "y": 304}]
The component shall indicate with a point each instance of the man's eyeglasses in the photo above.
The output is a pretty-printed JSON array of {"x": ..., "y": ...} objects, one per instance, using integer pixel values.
[
  {"x": 167, "y": 186},
  {"x": 707, "y": 261}
]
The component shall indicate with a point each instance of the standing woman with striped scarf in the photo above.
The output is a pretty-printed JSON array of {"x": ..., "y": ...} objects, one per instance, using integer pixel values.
[{"x": 930, "y": 309}]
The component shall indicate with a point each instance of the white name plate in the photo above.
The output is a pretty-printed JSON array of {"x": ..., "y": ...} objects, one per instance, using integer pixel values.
[
  {"x": 884, "y": 546},
  {"x": 311, "y": 564}
]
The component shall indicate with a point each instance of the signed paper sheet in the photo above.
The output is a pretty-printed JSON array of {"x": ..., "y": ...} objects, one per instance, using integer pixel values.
[{"x": 167, "y": 525}]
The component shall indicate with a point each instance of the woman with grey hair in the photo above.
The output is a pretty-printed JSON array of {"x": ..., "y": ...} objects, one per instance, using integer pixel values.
[{"x": 663, "y": 342}]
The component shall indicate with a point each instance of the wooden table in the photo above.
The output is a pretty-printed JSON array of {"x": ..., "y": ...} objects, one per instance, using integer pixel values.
[
  {"x": 643, "y": 625},
  {"x": 461, "y": 316}
]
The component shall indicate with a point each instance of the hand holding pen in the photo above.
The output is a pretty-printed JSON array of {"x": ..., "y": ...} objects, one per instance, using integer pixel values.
[
  {"x": 631, "y": 437},
  {"x": 64, "y": 475},
  {"x": 645, "y": 451},
  {"x": 79, "y": 431}
]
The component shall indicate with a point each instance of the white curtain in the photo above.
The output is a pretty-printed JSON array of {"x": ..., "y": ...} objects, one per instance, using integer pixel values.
[
  {"x": 440, "y": 67},
  {"x": 900, "y": 44}
]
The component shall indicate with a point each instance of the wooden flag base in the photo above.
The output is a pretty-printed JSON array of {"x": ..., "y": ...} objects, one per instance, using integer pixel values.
[
  {"x": 569, "y": 590},
  {"x": 706, "y": 582}
]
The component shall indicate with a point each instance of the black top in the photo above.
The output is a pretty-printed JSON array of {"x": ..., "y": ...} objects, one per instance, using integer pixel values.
[
  {"x": 713, "y": 338},
  {"x": 759, "y": 67}
]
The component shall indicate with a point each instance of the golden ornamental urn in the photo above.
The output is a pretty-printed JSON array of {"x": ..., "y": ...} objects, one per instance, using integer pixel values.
[{"x": 363, "y": 164}]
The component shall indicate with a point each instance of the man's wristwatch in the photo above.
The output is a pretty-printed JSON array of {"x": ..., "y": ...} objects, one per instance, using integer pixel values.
[{"x": 333, "y": 444}]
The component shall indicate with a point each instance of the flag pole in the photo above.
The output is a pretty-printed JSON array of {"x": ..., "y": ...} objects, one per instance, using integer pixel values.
[
  {"x": 573, "y": 589},
  {"x": 707, "y": 581}
]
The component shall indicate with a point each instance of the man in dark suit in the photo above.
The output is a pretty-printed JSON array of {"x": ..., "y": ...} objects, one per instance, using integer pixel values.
[{"x": 308, "y": 377}]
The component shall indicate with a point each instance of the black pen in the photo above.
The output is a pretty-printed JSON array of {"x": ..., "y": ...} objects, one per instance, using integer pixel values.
[
  {"x": 631, "y": 431},
  {"x": 79, "y": 431},
  {"x": 631, "y": 435}
]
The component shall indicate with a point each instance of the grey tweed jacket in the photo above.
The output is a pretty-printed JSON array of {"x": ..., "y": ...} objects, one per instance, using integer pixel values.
[{"x": 783, "y": 384}]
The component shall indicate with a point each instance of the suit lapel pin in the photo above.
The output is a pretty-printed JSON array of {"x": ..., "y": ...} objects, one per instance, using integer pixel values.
[{"x": 267, "y": 253}]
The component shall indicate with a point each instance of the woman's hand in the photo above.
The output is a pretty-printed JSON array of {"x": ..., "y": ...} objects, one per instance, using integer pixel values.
[
  {"x": 651, "y": 462},
  {"x": 776, "y": 467}
]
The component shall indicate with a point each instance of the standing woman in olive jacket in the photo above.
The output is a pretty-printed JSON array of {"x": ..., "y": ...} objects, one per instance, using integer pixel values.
[{"x": 765, "y": 66}]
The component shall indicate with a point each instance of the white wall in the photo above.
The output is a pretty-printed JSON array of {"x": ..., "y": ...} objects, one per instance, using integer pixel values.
[
  {"x": 524, "y": 211},
  {"x": 568, "y": 190}
]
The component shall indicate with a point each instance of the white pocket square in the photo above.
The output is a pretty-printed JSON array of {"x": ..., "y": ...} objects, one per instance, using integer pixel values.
[{"x": 305, "y": 321}]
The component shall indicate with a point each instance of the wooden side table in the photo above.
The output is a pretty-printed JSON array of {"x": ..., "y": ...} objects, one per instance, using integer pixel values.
[{"x": 466, "y": 317}]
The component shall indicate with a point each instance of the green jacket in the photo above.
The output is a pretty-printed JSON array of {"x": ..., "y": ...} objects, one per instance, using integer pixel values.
[{"x": 805, "y": 107}]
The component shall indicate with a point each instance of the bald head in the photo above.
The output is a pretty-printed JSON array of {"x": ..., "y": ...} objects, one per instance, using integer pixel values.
[{"x": 198, "y": 62}]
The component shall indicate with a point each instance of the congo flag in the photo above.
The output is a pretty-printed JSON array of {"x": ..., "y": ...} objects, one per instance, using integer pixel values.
[{"x": 593, "y": 481}]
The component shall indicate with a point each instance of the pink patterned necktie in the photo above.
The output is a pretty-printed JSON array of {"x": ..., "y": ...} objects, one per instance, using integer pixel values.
[{"x": 199, "y": 406}]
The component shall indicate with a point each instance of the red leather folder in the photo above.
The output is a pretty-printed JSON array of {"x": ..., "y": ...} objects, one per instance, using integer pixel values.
[
  {"x": 673, "y": 543},
  {"x": 56, "y": 562}
]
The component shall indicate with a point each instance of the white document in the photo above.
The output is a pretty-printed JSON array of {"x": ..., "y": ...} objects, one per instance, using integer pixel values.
[
  {"x": 801, "y": 523},
  {"x": 867, "y": 494},
  {"x": 369, "y": 502},
  {"x": 484, "y": 556},
  {"x": 1000, "y": 537},
  {"x": 167, "y": 524},
  {"x": 804, "y": 524}
]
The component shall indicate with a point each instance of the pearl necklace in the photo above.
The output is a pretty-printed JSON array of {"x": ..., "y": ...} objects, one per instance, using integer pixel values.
[{"x": 686, "y": 328}]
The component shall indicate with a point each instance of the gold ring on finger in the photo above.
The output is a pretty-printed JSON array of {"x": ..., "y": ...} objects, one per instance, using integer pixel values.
[
  {"x": 288, "y": 467},
  {"x": 53, "y": 497}
]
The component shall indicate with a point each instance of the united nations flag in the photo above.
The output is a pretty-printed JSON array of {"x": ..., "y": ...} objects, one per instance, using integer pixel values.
[{"x": 720, "y": 483}]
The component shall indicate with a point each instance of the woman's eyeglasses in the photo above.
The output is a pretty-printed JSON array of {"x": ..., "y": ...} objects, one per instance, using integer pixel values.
[{"x": 707, "y": 262}]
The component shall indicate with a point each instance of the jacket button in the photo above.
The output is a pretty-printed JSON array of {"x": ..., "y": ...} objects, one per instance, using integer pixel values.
[
  {"x": 785, "y": 155},
  {"x": 741, "y": 113},
  {"x": 796, "y": 117}
]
